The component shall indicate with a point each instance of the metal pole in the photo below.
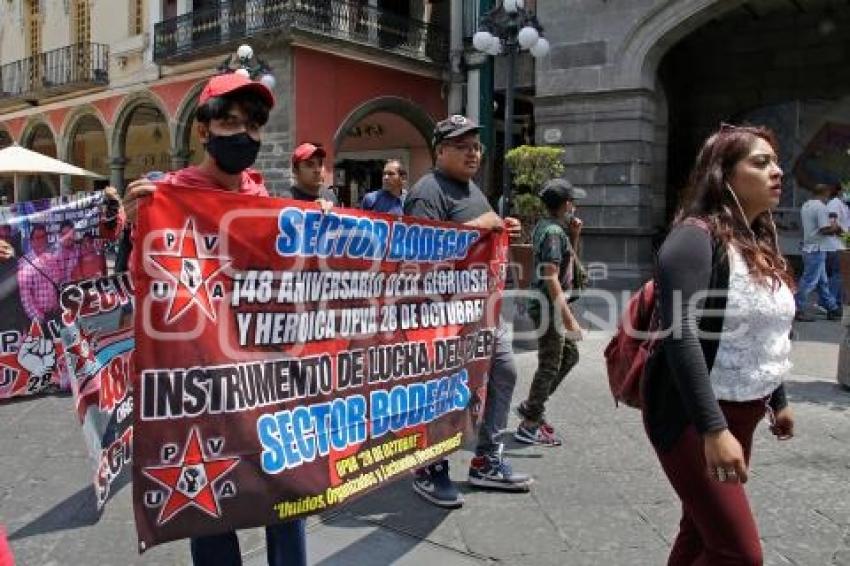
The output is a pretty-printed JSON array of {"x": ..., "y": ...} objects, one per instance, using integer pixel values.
[{"x": 511, "y": 48}]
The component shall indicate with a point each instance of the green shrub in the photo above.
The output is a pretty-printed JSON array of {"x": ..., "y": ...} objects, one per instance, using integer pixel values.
[
  {"x": 528, "y": 205},
  {"x": 534, "y": 165}
]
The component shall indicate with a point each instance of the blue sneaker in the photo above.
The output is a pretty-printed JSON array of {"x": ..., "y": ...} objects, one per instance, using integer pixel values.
[
  {"x": 434, "y": 485},
  {"x": 493, "y": 472}
]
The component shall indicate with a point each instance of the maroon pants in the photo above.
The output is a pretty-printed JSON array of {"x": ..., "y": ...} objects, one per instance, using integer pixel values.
[{"x": 717, "y": 526}]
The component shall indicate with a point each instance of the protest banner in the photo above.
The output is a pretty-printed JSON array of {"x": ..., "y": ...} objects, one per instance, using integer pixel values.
[
  {"x": 290, "y": 360},
  {"x": 98, "y": 343},
  {"x": 55, "y": 241}
]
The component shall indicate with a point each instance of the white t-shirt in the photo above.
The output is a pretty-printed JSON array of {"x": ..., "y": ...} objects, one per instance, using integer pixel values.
[
  {"x": 753, "y": 356},
  {"x": 815, "y": 216},
  {"x": 836, "y": 206}
]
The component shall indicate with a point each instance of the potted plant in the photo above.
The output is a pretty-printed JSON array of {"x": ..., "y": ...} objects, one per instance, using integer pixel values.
[{"x": 531, "y": 166}]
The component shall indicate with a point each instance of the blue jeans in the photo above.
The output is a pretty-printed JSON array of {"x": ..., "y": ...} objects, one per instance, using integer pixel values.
[
  {"x": 833, "y": 275},
  {"x": 814, "y": 277},
  {"x": 500, "y": 390},
  {"x": 286, "y": 545}
]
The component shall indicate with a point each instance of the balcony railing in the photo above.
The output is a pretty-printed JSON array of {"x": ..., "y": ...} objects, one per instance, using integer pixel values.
[
  {"x": 81, "y": 65},
  {"x": 233, "y": 20}
]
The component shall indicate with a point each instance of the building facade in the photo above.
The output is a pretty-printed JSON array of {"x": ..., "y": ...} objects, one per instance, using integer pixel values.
[
  {"x": 629, "y": 90},
  {"x": 632, "y": 87},
  {"x": 111, "y": 85}
]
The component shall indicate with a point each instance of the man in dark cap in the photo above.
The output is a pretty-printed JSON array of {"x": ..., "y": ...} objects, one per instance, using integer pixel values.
[
  {"x": 448, "y": 193},
  {"x": 553, "y": 242}
]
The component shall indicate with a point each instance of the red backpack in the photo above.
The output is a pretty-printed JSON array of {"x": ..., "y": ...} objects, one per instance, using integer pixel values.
[
  {"x": 635, "y": 341},
  {"x": 631, "y": 346}
]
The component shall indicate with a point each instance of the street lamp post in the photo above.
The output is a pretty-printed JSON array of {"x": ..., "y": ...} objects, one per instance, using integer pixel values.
[
  {"x": 248, "y": 65},
  {"x": 506, "y": 30}
]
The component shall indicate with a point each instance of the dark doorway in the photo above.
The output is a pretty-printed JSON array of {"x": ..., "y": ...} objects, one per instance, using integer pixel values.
[
  {"x": 774, "y": 63},
  {"x": 355, "y": 177}
]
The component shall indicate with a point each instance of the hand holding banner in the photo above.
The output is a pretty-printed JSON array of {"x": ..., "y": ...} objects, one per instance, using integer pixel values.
[{"x": 289, "y": 360}]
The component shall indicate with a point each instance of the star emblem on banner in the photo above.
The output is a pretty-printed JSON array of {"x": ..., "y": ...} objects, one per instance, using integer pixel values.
[
  {"x": 83, "y": 350},
  {"x": 14, "y": 376},
  {"x": 190, "y": 481},
  {"x": 190, "y": 268}
]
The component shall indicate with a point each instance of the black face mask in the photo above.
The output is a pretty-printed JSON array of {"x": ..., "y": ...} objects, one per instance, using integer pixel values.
[{"x": 233, "y": 154}]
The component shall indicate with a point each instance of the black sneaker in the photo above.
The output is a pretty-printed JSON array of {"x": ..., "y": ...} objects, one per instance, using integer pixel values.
[
  {"x": 434, "y": 485},
  {"x": 801, "y": 316},
  {"x": 525, "y": 414},
  {"x": 835, "y": 314},
  {"x": 493, "y": 472}
]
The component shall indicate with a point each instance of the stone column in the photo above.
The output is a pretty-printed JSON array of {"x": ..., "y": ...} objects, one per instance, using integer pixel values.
[
  {"x": 116, "y": 173},
  {"x": 608, "y": 138},
  {"x": 179, "y": 159},
  {"x": 63, "y": 155}
]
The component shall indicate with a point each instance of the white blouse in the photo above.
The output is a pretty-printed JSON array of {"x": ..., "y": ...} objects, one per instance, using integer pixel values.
[{"x": 753, "y": 354}]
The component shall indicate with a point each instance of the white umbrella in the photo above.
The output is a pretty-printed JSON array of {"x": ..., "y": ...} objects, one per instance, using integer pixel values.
[{"x": 17, "y": 160}]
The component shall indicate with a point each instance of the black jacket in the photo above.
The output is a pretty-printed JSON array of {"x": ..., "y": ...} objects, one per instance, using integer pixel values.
[{"x": 676, "y": 388}]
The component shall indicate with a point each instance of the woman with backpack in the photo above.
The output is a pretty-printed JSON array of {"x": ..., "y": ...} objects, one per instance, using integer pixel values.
[{"x": 726, "y": 308}]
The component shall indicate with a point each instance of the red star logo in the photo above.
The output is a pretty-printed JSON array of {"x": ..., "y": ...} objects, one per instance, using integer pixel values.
[
  {"x": 190, "y": 268},
  {"x": 19, "y": 379},
  {"x": 190, "y": 481},
  {"x": 83, "y": 350},
  {"x": 15, "y": 374}
]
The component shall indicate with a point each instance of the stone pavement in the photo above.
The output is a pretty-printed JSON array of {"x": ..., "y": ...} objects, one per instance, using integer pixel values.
[{"x": 599, "y": 499}]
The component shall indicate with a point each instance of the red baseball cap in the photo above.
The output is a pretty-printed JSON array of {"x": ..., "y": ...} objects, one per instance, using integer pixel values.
[
  {"x": 305, "y": 151},
  {"x": 220, "y": 85}
]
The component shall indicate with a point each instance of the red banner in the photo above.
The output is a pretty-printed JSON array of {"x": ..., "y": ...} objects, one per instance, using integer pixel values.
[
  {"x": 290, "y": 360},
  {"x": 52, "y": 242},
  {"x": 97, "y": 338}
]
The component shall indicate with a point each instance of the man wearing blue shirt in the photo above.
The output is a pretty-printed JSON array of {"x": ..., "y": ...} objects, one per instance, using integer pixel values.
[{"x": 390, "y": 198}]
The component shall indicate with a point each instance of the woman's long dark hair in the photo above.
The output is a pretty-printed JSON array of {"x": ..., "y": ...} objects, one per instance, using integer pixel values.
[{"x": 708, "y": 197}]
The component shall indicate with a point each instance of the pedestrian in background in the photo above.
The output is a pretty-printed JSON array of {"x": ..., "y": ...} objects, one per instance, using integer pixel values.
[
  {"x": 390, "y": 197},
  {"x": 448, "y": 193},
  {"x": 554, "y": 243},
  {"x": 308, "y": 173},
  {"x": 838, "y": 210},
  {"x": 717, "y": 372},
  {"x": 39, "y": 277},
  {"x": 819, "y": 237}
]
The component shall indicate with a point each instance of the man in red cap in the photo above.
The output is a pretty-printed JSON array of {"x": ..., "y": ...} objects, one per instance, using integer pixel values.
[
  {"x": 232, "y": 110},
  {"x": 308, "y": 175}
]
